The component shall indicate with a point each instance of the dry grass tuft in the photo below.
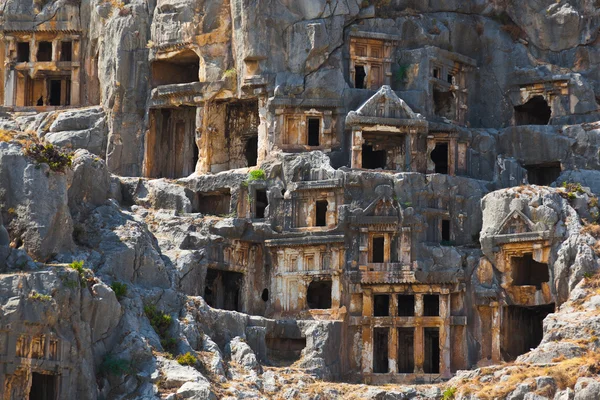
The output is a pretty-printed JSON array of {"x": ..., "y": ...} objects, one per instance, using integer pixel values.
[
  {"x": 565, "y": 373},
  {"x": 16, "y": 136},
  {"x": 592, "y": 229}
]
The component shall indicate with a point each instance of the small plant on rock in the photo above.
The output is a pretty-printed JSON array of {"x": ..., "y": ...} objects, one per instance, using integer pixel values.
[
  {"x": 256, "y": 175},
  {"x": 56, "y": 158},
  {"x": 161, "y": 322},
  {"x": 449, "y": 393},
  {"x": 187, "y": 359},
  {"x": 39, "y": 297},
  {"x": 119, "y": 288}
]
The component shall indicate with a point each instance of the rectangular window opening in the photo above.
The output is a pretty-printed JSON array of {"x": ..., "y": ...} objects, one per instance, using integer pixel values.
[
  {"x": 321, "y": 211},
  {"x": 23, "y": 52},
  {"x": 318, "y": 295},
  {"x": 528, "y": 272},
  {"x": 261, "y": 203},
  {"x": 406, "y": 305},
  {"x": 43, "y": 387},
  {"x": 406, "y": 338},
  {"x": 378, "y": 249},
  {"x": 381, "y": 305},
  {"x": 314, "y": 131},
  {"x": 431, "y": 305},
  {"x": 55, "y": 92},
  {"x": 380, "y": 350},
  {"x": 223, "y": 289},
  {"x": 66, "y": 49},
  {"x": 431, "y": 364},
  {"x": 445, "y": 230},
  {"x": 213, "y": 203},
  {"x": 44, "y": 52},
  {"x": 359, "y": 77}
]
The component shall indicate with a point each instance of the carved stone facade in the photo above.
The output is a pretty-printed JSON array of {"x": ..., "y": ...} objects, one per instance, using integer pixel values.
[
  {"x": 34, "y": 362},
  {"x": 44, "y": 69}
]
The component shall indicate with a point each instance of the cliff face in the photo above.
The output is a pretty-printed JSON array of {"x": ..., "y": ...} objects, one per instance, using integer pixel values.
[{"x": 206, "y": 199}]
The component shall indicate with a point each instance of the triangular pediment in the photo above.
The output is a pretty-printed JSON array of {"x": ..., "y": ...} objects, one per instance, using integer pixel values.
[
  {"x": 516, "y": 222},
  {"x": 386, "y": 104},
  {"x": 383, "y": 205}
]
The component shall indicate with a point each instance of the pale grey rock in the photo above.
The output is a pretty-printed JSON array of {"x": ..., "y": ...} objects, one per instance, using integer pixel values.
[
  {"x": 239, "y": 351},
  {"x": 79, "y": 129},
  {"x": 520, "y": 392},
  {"x": 566, "y": 394},
  {"x": 42, "y": 223},
  {"x": 157, "y": 194},
  {"x": 586, "y": 389},
  {"x": 176, "y": 375},
  {"x": 195, "y": 391},
  {"x": 91, "y": 181}
]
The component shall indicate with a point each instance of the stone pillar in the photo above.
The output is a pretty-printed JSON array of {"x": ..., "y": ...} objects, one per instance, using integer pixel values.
[
  {"x": 55, "y": 57},
  {"x": 336, "y": 290},
  {"x": 75, "y": 88},
  {"x": 33, "y": 49},
  {"x": 10, "y": 84},
  {"x": 263, "y": 139},
  {"x": 445, "y": 336},
  {"x": 387, "y": 247},
  {"x": 452, "y": 157},
  {"x": 496, "y": 337},
  {"x": 430, "y": 147},
  {"x": 203, "y": 138},
  {"x": 408, "y": 152},
  {"x": 363, "y": 256},
  {"x": 357, "y": 142},
  {"x": 331, "y": 210},
  {"x": 393, "y": 349},
  {"x": 367, "y": 333},
  {"x": 419, "y": 345},
  {"x": 405, "y": 244}
]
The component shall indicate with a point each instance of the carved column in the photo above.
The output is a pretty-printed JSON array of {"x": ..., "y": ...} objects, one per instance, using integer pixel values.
[
  {"x": 496, "y": 330},
  {"x": 430, "y": 147},
  {"x": 263, "y": 139},
  {"x": 445, "y": 336},
  {"x": 419, "y": 345},
  {"x": 363, "y": 256},
  {"x": 452, "y": 157},
  {"x": 393, "y": 349},
  {"x": 405, "y": 243},
  {"x": 367, "y": 333},
  {"x": 407, "y": 151},
  {"x": 331, "y": 210},
  {"x": 357, "y": 142},
  {"x": 336, "y": 289}
]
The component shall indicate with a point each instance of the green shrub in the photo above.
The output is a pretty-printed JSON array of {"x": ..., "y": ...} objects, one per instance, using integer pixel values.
[
  {"x": 161, "y": 322},
  {"x": 256, "y": 175},
  {"x": 78, "y": 266},
  {"x": 187, "y": 359},
  {"x": 39, "y": 297},
  {"x": 115, "y": 366},
  {"x": 449, "y": 393},
  {"x": 119, "y": 288},
  {"x": 56, "y": 158}
]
